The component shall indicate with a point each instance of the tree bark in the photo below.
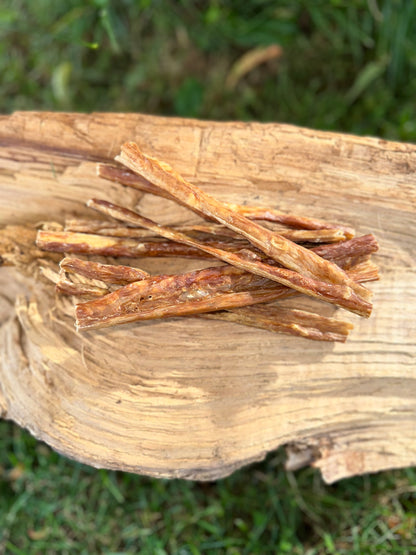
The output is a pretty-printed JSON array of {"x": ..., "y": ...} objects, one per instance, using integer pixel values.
[{"x": 186, "y": 397}]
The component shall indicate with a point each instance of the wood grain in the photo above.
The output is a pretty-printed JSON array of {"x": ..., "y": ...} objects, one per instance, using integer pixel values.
[{"x": 188, "y": 398}]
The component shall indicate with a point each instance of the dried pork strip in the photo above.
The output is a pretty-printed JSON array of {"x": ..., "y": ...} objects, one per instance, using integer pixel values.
[
  {"x": 67, "y": 287},
  {"x": 200, "y": 291},
  {"x": 314, "y": 235},
  {"x": 119, "y": 174},
  {"x": 108, "y": 273},
  {"x": 111, "y": 311},
  {"x": 136, "y": 302},
  {"x": 364, "y": 271},
  {"x": 340, "y": 295},
  {"x": 349, "y": 251},
  {"x": 77, "y": 289},
  {"x": 361, "y": 270},
  {"x": 131, "y": 179},
  {"x": 86, "y": 243},
  {"x": 291, "y": 220},
  {"x": 344, "y": 254},
  {"x": 197, "y": 292},
  {"x": 238, "y": 280},
  {"x": 286, "y": 320},
  {"x": 176, "y": 295},
  {"x": 287, "y": 253},
  {"x": 100, "y": 227}
]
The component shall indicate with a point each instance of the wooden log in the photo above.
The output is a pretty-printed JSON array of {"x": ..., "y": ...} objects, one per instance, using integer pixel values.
[{"x": 186, "y": 397}]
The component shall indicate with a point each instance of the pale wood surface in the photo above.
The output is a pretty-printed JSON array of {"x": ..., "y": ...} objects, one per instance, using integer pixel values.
[{"x": 197, "y": 399}]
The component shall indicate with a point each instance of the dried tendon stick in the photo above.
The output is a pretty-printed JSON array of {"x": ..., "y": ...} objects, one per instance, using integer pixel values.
[
  {"x": 208, "y": 290},
  {"x": 340, "y": 295},
  {"x": 108, "y": 273},
  {"x": 129, "y": 178},
  {"x": 87, "y": 243},
  {"x": 289, "y": 254},
  {"x": 165, "y": 296},
  {"x": 199, "y": 292},
  {"x": 362, "y": 271},
  {"x": 100, "y": 227},
  {"x": 135, "y": 302},
  {"x": 79, "y": 289},
  {"x": 348, "y": 251},
  {"x": 123, "y": 176},
  {"x": 236, "y": 280},
  {"x": 286, "y": 320},
  {"x": 82, "y": 288},
  {"x": 353, "y": 255},
  {"x": 291, "y": 220}
]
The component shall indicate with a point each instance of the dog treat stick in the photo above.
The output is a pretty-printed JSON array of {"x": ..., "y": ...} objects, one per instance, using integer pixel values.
[
  {"x": 287, "y": 253},
  {"x": 340, "y": 295},
  {"x": 128, "y": 178},
  {"x": 100, "y": 227},
  {"x": 286, "y": 320}
]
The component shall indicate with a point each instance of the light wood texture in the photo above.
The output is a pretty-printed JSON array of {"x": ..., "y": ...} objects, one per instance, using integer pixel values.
[{"x": 197, "y": 399}]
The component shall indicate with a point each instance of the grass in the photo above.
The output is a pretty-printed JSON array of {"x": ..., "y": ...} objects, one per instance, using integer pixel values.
[
  {"x": 49, "y": 504},
  {"x": 346, "y": 66}
]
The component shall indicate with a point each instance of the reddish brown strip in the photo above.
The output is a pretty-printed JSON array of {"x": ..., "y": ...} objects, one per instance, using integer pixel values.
[
  {"x": 100, "y": 227},
  {"x": 212, "y": 289},
  {"x": 291, "y": 256},
  {"x": 126, "y": 177},
  {"x": 286, "y": 320},
  {"x": 86, "y": 243},
  {"x": 108, "y": 273},
  {"x": 340, "y": 295}
]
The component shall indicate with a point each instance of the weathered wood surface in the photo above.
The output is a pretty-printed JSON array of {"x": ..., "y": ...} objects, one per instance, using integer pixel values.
[{"x": 197, "y": 399}]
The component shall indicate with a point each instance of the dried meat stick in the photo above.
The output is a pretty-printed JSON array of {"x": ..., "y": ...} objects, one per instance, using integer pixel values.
[
  {"x": 108, "y": 273},
  {"x": 172, "y": 296},
  {"x": 131, "y": 179},
  {"x": 218, "y": 288},
  {"x": 86, "y": 243},
  {"x": 302, "y": 222},
  {"x": 350, "y": 250},
  {"x": 237, "y": 279},
  {"x": 364, "y": 271},
  {"x": 164, "y": 296},
  {"x": 287, "y": 253},
  {"x": 286, "y": 320},
  {"x": 100, "y": 227},
  {"x": 67, "y": 287},
  {"x": 123, "y": 176},
  {"x": 340, "y": 295},
  {"x": 200, "y": 291}
]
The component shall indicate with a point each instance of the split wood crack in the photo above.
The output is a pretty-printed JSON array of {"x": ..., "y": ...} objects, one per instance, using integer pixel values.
[{"x": 268, "y": 256}]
